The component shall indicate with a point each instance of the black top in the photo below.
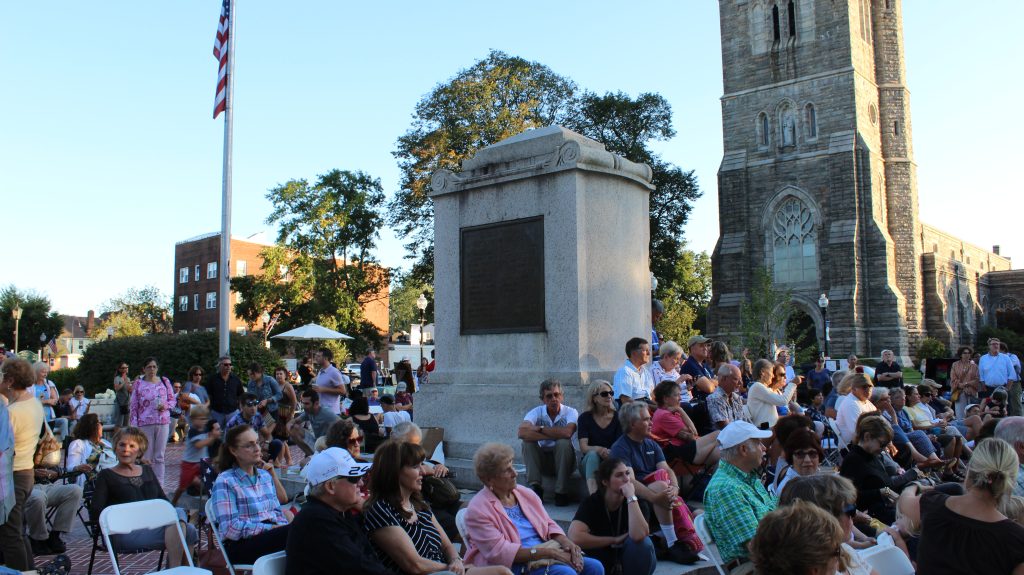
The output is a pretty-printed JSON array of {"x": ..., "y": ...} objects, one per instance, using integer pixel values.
[
  {"x": 113, "y": 489},
  {"x": 224, "y": 394},
  {"x": 952, "y": 544},
  {"x": 62, "y": 409},
  {"x": 604, "y": 523},
  {"x": 423, "y": 534},
  {"x": 367, "y": 369},
  {"x": 867, "y": 474},
  {"x": 322, "y": 541},
  {"x": 882, "y": 367},
  {"x": 587, "y": 427},
  {"x": 306, "y": 374},
  {"x": 368, "y": 426}
]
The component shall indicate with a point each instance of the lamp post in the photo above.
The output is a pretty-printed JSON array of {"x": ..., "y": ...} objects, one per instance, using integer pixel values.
[
  {"x": 823, "y": 304},
  {"x": 421, "y": 303},
  {"x": 42, "y": 344},
  {"x": 16, "y": 314},
  {"x": 265, "y": 318}
]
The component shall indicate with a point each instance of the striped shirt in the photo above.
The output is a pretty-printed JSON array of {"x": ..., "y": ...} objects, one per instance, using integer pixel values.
[
  {"x": 244, "y": 505},
  {"x": 424, "y": 536}
]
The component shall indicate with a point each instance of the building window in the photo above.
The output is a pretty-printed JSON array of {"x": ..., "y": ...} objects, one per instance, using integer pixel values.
[
  {"x": 776, "y": 32},
  {"x": 762, "y": 130},
  {"x": 183, "y": 276},
  {"x": 791, "y": 14},
  {"x": 896, "y": 128},
  {"x": 211, "y": 300},
  {"x": 810, "y": 121},
  {"x": 873, "y": 114},
  {"x": 952, "y": 307},
  {"x": 197, "y": 272},
  {"x": 183, "y": 303},
  {"x": 211, "y": 270},
  {"x": 241, "y": 268},
  {"x": 793, "y": 243},
  {"x": 195, "y": 301}
]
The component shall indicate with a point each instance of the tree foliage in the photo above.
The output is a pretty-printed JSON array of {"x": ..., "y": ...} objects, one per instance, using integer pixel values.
[
  {"x": 765, "y": 309},
  {"x": 931, "y": 348},
  {"x": 36, "y": 318},
  {"x": 322, "y": 270},
  {"x": 146, "y": 308},
  {"x": 404, "y": 312},
  {"x": 685, "y": 295},
  {"x": 122, "y": 325}
]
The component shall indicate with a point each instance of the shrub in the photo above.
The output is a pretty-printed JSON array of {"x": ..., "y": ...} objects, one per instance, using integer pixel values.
[
  {"x": 931, "y": 348},
  {"x": 64, "y": 378},
  {"x": 176, "y": 353}
]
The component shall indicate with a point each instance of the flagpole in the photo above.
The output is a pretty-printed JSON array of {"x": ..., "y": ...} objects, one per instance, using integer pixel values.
[{"x": 224, "y": 325}]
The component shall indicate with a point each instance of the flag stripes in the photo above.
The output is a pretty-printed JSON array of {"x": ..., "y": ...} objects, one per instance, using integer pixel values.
[{"x": 220, "y": 52}]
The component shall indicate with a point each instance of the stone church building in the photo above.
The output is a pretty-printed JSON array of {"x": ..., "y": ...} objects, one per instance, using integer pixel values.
[{"x": 817, "y": 184}]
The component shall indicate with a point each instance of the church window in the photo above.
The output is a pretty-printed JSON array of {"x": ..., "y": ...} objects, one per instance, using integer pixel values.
[
  {"x": 776, "y": 32},
  {"x": 794, "y": 247},
  {"x": 873, "y": 114},
  {"x": 762, "y": 130},
  {"x": 865, "y": 20},
  {"x": 896, "y": 128},
  {"x": 811, "y": 121},
  {"x": 791, "y": 17}
]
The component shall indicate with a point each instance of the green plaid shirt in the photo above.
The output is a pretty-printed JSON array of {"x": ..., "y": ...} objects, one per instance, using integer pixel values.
[{"x": 735, "y": 502}]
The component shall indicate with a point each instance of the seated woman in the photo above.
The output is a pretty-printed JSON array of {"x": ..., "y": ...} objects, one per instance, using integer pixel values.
[
  {"x": 246, "y": 499},
  {"x": 506, "y": 523},
  {"x": 612, "y": 525},
  {"x": 346, "y": 434},
  {"x": 995, "y": 405},
  {"x": 89, "y": 452},
  {"x": 906, "y": 443},
  {"x": 763, "y": 399},
  {"x": 671, "y": 424},
  {"x": 359, "y": 412},
  {"x": 128, "y": 482},
  {"x": 876, "y": 489},
  {"x": 438, "y": 489},
  {"x": 403, "y": 530},
  {"x": 967, "y": 533},
  {"x": 921, "y": 418},
  {"x": 803, "y": 457},
  {"x": 785, "y": 530},
  {"x": 597, "y": 429}
]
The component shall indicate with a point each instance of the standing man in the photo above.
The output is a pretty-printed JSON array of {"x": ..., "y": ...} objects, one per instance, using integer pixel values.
[
  {"x": 546, "y": 432},
  {"x": 329, "y": 382},
  {"x": 888, "y": 373},
  {"x": 368, "y": 370},
  {"x": 224, "y": 389},
  {"x": 634, "y": 380},
  {"x": 996, "y": 370}
]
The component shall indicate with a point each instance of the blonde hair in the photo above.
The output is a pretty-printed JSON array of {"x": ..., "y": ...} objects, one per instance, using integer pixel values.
[
  {"x": 993, "y": 468},
  {"x": 854, "y": 380},
  {"x": 785, "y": 529},
  {"x": 1013, "y": 509},
  {"x": 593, "y": 389}
]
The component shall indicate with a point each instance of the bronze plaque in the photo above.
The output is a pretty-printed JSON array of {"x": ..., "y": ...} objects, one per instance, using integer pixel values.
[{"x": 502, "y": 283}]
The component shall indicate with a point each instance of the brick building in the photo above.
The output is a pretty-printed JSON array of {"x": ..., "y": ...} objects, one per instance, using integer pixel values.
[
  {"x": 197, "y": 283},
  {"x": 817, "y": 183}
]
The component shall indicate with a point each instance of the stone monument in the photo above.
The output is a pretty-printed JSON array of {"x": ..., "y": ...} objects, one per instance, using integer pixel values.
[{"x": 540, "y": 271}]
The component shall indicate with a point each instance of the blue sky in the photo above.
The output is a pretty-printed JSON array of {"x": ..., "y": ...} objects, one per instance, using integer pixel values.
[{"x": 109, "y": 155}]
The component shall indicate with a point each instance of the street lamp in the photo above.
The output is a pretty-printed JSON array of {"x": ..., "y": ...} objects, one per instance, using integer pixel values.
[
  {"x": 421, "y": 303},
  {"x": 266, "y": 325},
  {"x": 42, "y": 343},
  {"x": 16, "y": 314},
  {"x": 823, "y": 304}
]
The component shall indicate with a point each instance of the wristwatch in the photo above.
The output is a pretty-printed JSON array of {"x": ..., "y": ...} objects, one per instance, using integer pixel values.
[
  {"x": 632, "y": 499},
  {"x": 533, "y": 551}
]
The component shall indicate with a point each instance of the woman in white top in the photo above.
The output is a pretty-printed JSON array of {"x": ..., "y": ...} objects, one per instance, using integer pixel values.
[
  {"x": 89, "y": 452},
  {"x": 667, "y": 368},
  {"x": 762, "y": 400},
  {"x": 856, "y": 403},
  {"x": 79, "y": 403}
]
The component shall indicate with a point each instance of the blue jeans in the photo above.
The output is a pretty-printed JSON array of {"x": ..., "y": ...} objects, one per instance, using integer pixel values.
[
  {"x": 639, "y": 557},
  {"x": 590, "y": 567}
]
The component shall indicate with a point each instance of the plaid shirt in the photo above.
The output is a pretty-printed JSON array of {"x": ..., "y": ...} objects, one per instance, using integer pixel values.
[
  {"x": 246, "y": 506},
  {"x": 735, "y": 502}
]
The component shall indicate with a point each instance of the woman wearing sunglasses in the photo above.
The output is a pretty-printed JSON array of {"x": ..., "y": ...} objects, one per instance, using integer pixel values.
[{"x": 597, "y": 429}]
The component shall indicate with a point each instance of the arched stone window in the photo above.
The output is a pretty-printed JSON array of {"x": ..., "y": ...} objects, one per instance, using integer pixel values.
[
  {"x": 794, "y": 247},
  {"x": 762, "y": 130},
  {"x": 810, "y": 122}
]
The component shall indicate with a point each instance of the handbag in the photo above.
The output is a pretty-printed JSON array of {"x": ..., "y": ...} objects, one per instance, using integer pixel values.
[
  {"x": 440, "y": 491},
  {"x": 47, "y": 450},
  {"x": 539, "y": 563}
]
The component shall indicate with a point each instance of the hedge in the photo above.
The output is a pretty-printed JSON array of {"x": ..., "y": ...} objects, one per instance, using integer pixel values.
[
  {"x": 64, "y": 378},
  {"x": 175, "y": 353}
]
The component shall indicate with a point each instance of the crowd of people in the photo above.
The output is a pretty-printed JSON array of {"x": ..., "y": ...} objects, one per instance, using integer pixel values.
[{"x": 771, "y": 455}]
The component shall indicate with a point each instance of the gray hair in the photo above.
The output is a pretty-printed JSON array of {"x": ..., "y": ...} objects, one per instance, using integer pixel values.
[
  {"x": 39, "y": 366},
  {"x": 403, "y": 431},
  {"x": 671, "y": 348},
  {"x": 1011, "y": 430},
  {"x": 885, "y": 351},
  {"x": 548, "y": 385},
  {"x": 318, "y": 490},
  {"x": 731, "y": 453},
  {"x": 630, "y": 413},
  {"x": 221, "y": 359},
  {"x": 879, "y": 393},
  {"x": 725, "y": 370}
]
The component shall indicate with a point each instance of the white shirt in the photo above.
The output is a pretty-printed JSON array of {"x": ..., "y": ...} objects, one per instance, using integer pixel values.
[
  {"x": 632, "y": 382},
  {"x": 847, "y": 415},
  {"x": 761, "y": 403},
  {"x": 539, "y": 416},
  {"x": 79, "y": 406},
  {"x": 393, "y": 418}
]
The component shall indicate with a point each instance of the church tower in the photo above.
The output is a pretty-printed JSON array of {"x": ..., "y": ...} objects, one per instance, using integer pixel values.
[{"x": 817, "y": 182}]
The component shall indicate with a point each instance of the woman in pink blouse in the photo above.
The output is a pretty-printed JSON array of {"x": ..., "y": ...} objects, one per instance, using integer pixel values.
[{"x": 152, "y": 399}]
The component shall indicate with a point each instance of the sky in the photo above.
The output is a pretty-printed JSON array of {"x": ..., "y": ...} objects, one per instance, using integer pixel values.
[{"x": 109, "y": 155}]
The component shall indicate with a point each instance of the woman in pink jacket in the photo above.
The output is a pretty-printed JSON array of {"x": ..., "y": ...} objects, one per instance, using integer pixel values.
[
  {"x": 152, "y": 399},
  {"x": 506, "y": 524}
]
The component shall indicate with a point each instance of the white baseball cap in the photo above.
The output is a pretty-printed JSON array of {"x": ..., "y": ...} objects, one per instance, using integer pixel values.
[
  {"x": 739, "y": 431},
  {"x": 333, "y": 462}
]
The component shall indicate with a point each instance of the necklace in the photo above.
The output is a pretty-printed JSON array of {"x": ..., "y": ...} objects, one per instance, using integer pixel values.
[{"x": 618, "y": 520}]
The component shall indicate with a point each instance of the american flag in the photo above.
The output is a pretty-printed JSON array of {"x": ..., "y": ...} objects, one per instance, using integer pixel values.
[
  {"x": 52, "y": 345},
  {"x": 220, "y": 52}
]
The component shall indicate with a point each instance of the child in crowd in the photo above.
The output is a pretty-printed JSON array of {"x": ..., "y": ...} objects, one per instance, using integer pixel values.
[{"x": 196, "y": 449}]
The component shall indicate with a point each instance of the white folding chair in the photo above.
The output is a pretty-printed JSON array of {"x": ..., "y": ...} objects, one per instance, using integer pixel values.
[
  {"x": 460, "y": 524},
  {"x": 220, "y": 543},
  {"x": 709, "y": 544},
  {"x": 889, "y": 560},
  {"x": 833, "y": 457},
  {"x": 149, "y": 514},
  {"x": 272, "y": 564}
]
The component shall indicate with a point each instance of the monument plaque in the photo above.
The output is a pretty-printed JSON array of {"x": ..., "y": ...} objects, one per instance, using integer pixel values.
[{"x": 502, "y": 277}]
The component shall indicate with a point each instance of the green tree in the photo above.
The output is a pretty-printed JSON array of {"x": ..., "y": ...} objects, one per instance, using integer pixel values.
[
  {"x": 322, "y": 270},
  {"x": 498, "y": 97},
  {"x": 36, "y": 318},
  {"x": 685, "y": 295},
  {"x": 764, "y": 310},
  {"x": 403, "y": 310},
  {"x": 146, "y": 307},
  {"x": 123, "y": 325}
]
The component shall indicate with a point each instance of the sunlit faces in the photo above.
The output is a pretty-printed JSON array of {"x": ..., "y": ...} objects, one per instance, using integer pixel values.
[
  {"x": 505, "y": 479},
  {"x": 410, "y": 478},
  {"x": 806, "y": 461}
]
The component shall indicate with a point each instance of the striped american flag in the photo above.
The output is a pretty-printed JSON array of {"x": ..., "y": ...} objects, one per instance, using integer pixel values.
[
  {"x": 220, "y": 52},
  {"x": 52, "y": 345}
]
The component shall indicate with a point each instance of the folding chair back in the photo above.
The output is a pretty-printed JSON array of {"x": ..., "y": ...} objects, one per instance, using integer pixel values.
[
  {"x": 460, "y": 524},
  {"x": 888, "y": 559},
  {"x": 273, "y": 564},
  {"x": 705, "y": 536},
  {"x": 128, "y": 517},
  {"x": 220, "y": 542}
]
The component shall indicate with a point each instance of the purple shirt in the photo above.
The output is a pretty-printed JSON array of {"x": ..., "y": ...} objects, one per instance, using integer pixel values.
[{"x": 145, "y": 398}]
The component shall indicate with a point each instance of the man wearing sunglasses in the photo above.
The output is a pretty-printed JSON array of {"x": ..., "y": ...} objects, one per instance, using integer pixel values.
[
  {"x": 546, "y": 433},
  {"x": 224, "y": 389},
  {"x": 325, "y": 538}
]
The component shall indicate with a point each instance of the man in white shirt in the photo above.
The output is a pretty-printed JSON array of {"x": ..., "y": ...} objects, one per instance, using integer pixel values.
[
  {"x": 857, "y": 403},
  {"x": 392, "y": 416},
  {"x": 329, "y": 383},
  {"x": 634, "y": 380},
  {"x": 546, "y": 433}
]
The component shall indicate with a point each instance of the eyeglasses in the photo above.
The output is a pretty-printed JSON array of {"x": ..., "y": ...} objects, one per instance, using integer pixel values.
[
  {"x": 250, "y": 446},
  {"x": 805, "y": 454},
  {"x": 605, "y": 393},
  {"x": 850, "y": 510},
  {"x": 354, "y": 441},
  {"x": 253, "y": 403},
  {"x": 227, "y": 364},
  {"x": 79, "y": 393},
  {"x": 552, "y": 395}
]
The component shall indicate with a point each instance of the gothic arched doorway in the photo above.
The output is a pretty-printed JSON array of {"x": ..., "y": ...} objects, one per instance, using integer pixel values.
[{"x": 802, "y": 333}]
